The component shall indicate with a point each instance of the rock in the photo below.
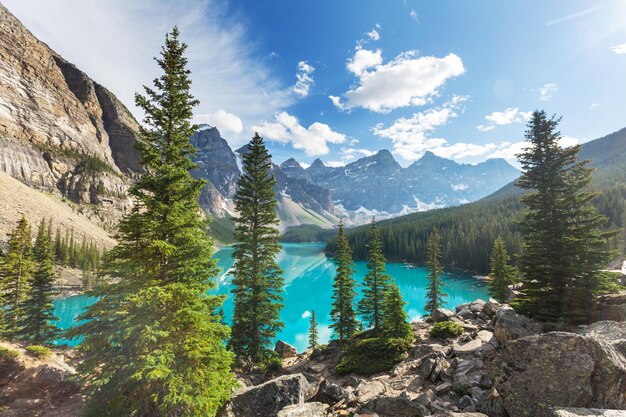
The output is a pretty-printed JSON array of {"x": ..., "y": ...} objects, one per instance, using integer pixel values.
[
  {"x": 465, "y": 403},
  {"x": 331, "y": 394},
  {"x": 471, "y": 347},
  {"x": 440, "y": 368},
  {"x": 394, "y": 407},
  {"x": 477, "y": 306},
  {"x": 491, "y": 307},
  {"x": 586, "y": 412},
  {"x": 304, "y": 410},
  {"x": 612, "y": 312},
  {"x": 443, "y": 388},
  {"x": 511, "y": 326},
  {"x": 465, "y": 314},
  {"x": 425, "y": 397},
  {"x": 368, "y": 390},
  {"x": 426, "y": 368},
  {"x": 452, "y": 414},
  {"x": 267, "y": 399},
  {"x": 567, "y": 369},
  {"x": 485, "y": 381},
  {"x": 285, "y": 350},
  {"x": 441, "y": 314},
  {"x": 468, "y": 372},
  {"x": 491, "y": 403}
]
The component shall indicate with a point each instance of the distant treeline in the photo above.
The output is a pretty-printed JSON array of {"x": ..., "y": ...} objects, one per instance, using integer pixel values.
[{"x": 468, "y": 231}]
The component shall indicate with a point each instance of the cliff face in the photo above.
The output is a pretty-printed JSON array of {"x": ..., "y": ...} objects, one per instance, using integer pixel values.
[{"x": 60, "y": 131}]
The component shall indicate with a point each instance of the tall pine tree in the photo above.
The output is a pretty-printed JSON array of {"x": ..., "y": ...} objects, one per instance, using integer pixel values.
[
  {"x": 434, "y": 292},
  {"x": 376, "y": 281},
  {"x": 37, "y": 325},
  {"x": 257, "y": 281},
  {"x": 153, "y": 342},
  {"x": 563, "y": 245},
  {"x": 395, "y": 318},
  {"x": 344, "y": 318},
  {"x": 501, "y": 273},
  {"x": 16, "y": 270},
  {"x": 313, "y": 331}
]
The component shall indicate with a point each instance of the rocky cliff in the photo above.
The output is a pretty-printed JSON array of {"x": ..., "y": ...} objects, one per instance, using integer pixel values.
[{"x": 60, "y": 131}]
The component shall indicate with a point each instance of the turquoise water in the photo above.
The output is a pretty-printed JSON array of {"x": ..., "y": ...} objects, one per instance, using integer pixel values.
[{"x": 308, "y": 276}]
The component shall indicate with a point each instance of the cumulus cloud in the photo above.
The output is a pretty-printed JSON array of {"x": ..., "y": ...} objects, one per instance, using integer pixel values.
[
  {"x": 619, "y": 49},
  {"x": 304, "y": 79},
  {"x": 373, "y": 35},
  {"x": 224, "y": 121},
  {"x": 349, "y": 155},
  {"x": 407, "y": 80},
  {"x": 363, "y": 60},
  {"x": 546, "y": 92},
  {"x": 306, "y": 314},
  {"x": 503, "y": 118},
  {"x": 313, "y": 140},
  {"x": 114, "y": 43},
  {"x": 413, "y": 15}
]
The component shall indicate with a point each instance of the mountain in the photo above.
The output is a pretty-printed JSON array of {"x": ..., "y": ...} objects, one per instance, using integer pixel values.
[
  {"x": 60, "y": 131},
  {"x": 378, "y": 185},
  {"x": 300, "y": 201},
  {"x": 469, "y": 230}
]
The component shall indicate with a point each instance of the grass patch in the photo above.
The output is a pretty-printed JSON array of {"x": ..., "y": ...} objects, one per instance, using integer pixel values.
[
  {"x": 446, "y": 330},
  {"x": 372, "y": 355},
  {"x": 8, "y": 353},
  {"x": 39, "y": 351}
]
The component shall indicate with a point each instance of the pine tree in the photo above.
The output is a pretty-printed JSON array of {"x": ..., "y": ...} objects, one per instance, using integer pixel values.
[
  {"x": 313, "y": 331},
  {"x": 16, "y": 270},
  {"x": 58, "y": 251},
  {"x": 395, "y": 318},
  {"x": 434, "y": 292},
  {"x": 153, "y": 342},
  {"x": 502, "y": 274},
  {"x": 257, "y": 281},
  {"x": 375, "y": 283},
  {"x": 343, "y": 316},
  {"x": 36, "y": 325},
  {"x": 563, "y": 246}
]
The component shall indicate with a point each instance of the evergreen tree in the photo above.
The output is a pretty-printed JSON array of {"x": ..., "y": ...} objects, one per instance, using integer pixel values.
[
  {"x": 563, "y": 247},
  {"x": 501, "y": 274},
  {"x": 58, "y": 246},
  {"x": 434, "y": 292},
  {"x": 344, "y": 318},
  {"x": 395, "y": 318},
  {"x": 375, "y": 283},
  {"x": 36, "y": 325},
  {"x": 313, "y": 331},
  {"x": 16, "y": 269},
  {"x": 153, "y": 342},
  {"x": 257, "y": 278}
]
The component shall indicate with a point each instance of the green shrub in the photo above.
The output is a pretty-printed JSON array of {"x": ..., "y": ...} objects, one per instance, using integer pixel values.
[
  {"x": 8, "y": 353},
  {"x": 607, "y": 283},
  {"x": 369, "y": 356},
  {"x": 39, "y": 351},
  {"x": 446, "y": 329}
]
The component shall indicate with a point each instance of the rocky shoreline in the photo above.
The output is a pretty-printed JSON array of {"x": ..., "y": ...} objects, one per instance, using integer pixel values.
[{"x": 503, "y": 364}]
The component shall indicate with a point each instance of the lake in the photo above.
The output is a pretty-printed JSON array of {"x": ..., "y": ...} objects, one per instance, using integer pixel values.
[{"x": 308, "y": 275}]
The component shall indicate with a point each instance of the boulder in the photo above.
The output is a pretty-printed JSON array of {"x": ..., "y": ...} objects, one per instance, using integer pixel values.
[
  {"x": 465, "y": 314},
  {"x": 304, "y": 410},
  {"x": 477, "y": 306},
  {"x": 557, "y": 368},
  {"x": 491, "y": 307},
  {"x": 285, "y": 350},
  {"x": 443, "y": 388},
  {"x": 612, "y": 312},
  {"x": 441, "y": 314},
  {"x": 451, "y": 414},
  {"x": 331, "y": 394},
  {"x": 368, "y": 390},
  {"x": 267, "y": 399},
  {"x": 394, "y": 407},
  {"x": 511, "y": 326},
  {"x": 586, "y": 412},
  {"x": 611, "y": 332}
]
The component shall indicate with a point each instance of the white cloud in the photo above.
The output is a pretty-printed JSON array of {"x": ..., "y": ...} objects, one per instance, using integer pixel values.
[
  {"x": 224, "y": 121},
  {"x": 594, "y": 105},
  {"x": 363, "y": 60},
  {"x": 567, "y": 141},
  {"x": 413, "y": 15},
  {"x": 546, "y": 92},
  {"x": 407, "y": 80},
  {"x": 306, "y": 314},
  {"x": 304, "y": 79},
  {"x": 503, "y": 118},
  {"x": 373, "y": 35},
  {"x": 313, "y": 140},
  {"x": 573, "y": 16},
  {"x": 619, "y": 49},
  {"x": 349, "y": 155},
  {"x": 114, "y": 43}
]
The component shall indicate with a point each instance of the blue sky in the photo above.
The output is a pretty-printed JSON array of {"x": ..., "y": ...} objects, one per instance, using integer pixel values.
[{"x": 458, "y": 78}]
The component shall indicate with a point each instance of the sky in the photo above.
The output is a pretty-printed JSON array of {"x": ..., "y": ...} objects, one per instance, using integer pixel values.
[{"x": 340, "y": 80}]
